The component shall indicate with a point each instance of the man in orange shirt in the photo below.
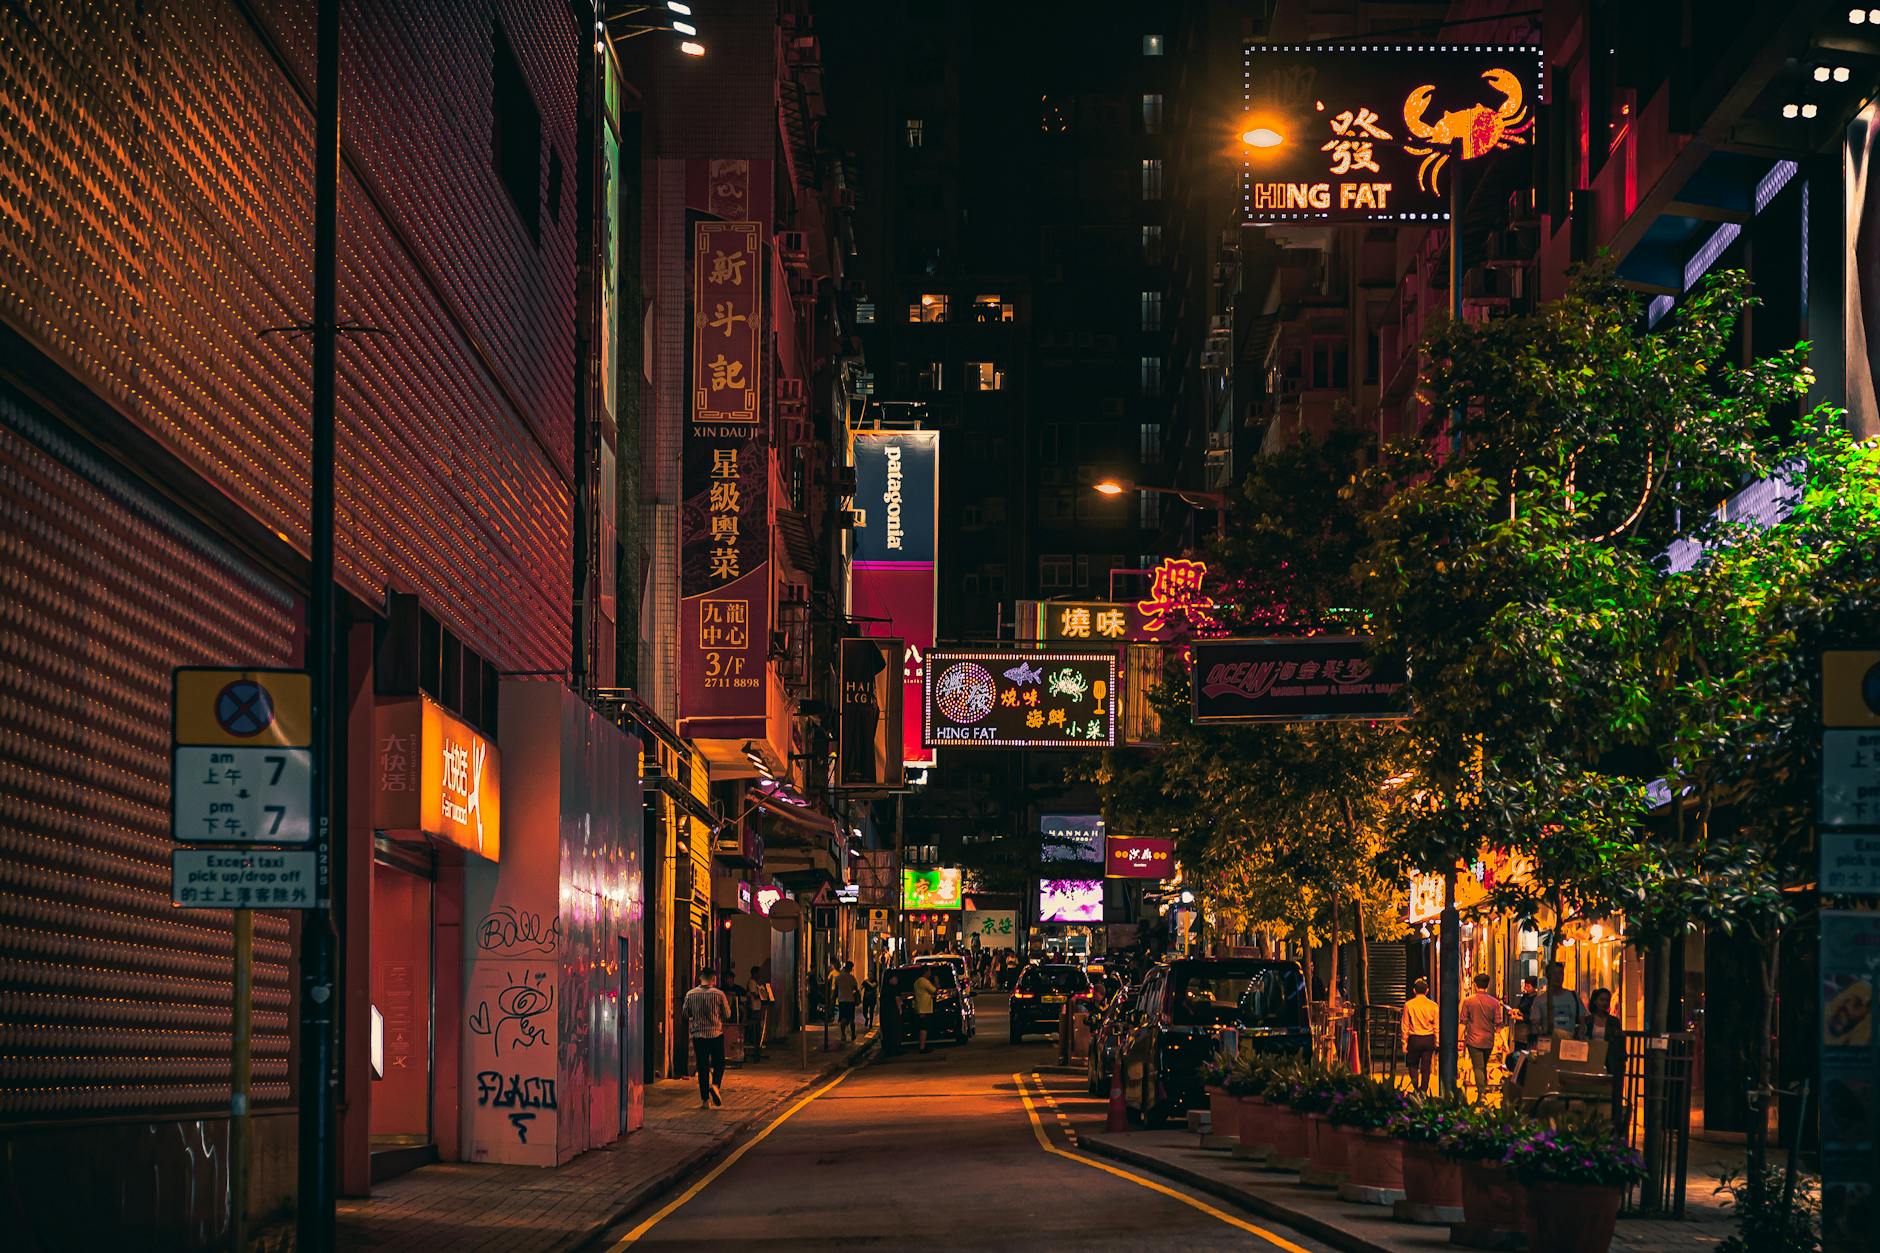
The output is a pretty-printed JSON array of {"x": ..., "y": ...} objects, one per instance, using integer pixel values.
[
  {"x": 1481, "y": 1015},
  {"x": 1419, "y": 1034}
]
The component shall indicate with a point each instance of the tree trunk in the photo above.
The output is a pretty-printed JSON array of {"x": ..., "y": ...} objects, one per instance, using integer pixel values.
[
  {"x": 1765, "y": 1063},
  {"x": 1331, "y": 991}
]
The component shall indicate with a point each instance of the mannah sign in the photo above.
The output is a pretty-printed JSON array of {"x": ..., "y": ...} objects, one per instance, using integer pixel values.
[{"x": 1374, "y": 133}]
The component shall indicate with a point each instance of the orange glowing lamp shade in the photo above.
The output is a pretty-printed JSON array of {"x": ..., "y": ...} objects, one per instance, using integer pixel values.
[
  {"x": 692, "y": 48},
  {"x": 1262, "y": 137},
  {"x": 1110, "y": 487}
]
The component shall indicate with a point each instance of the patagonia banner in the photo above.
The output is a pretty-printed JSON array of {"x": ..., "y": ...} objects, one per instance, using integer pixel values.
[{"x": 892, "y": 576}]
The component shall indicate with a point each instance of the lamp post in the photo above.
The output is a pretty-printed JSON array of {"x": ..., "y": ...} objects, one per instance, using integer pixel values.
[{"x": 1216, "y": 501}]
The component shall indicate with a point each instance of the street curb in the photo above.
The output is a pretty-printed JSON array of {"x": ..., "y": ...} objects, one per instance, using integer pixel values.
[
  {"x": 1252, "y": 1202},
  {"x": 708, "y": 1155}
]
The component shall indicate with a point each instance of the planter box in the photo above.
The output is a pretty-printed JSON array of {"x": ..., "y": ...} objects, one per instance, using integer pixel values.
[
  {"x": 1288, "y": 1148},
  {"x": 1571, "y": 1217},
  {"x": 1494, "y": 1206},
  {"x": 1327, "y": 1164},
  {"x": 1223, "y": 1118},
  {"x": 1373, "y": 1168},
  {"x": 1254, "y": 1127},
  {"x": 1432, "y": 1185}
]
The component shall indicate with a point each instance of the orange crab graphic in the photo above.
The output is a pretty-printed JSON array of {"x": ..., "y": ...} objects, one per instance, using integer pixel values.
[{"x": 1480, "y": 129}]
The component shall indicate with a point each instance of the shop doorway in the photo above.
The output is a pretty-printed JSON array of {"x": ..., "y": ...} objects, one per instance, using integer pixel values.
[{"x": 403, "y": 1018}]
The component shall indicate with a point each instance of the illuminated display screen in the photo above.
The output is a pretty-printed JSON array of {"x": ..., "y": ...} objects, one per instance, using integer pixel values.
[
  {"x": 930, "y": 889},
  {"x": 1375, "y": 133},
  {"x": 1070, "y": 900},
  {"x": 1019, "y": 700},
  {"x": 1139, "y": 857}
]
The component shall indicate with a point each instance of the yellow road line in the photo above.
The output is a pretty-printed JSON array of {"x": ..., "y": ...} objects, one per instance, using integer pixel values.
[
  {"x": 666, "y": 1211},
  {"x": 1044, "y": 1142}
]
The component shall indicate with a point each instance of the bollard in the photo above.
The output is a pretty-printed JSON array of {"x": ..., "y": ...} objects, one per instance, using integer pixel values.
[
  {"x": 1118, "y": 1118},
  {"x": 1064, "y": 1035}
]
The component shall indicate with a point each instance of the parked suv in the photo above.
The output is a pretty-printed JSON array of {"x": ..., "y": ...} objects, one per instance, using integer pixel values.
[
  {"x": 1184, "y": 1009},
  {"x": 961, "y": 976},
  {"x": 1043, "y": 989},
  {"x": 898, "y": 1024}
]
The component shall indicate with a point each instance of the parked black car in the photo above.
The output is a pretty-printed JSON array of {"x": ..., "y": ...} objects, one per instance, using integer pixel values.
[
  {"x": 1183, "y": 1010},
  {"x": 1042, "y": 992},
  {"x": 898, "y": 1023},
  {"x": 1110, "y": 1024}
]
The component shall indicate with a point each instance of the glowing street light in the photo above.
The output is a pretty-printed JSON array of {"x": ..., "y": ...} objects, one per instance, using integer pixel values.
[
  {"x": 1263, "y": 137},
  {"x": 1110, "y": 487},
  {"x": 692, "y": 48},
  {"x": 1202, "y": 500}
]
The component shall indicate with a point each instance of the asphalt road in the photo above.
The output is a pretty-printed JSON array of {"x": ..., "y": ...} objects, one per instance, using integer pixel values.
[{"x": 942, "y": 1152}]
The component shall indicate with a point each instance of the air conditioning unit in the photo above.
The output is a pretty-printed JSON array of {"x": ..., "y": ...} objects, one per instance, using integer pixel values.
[
  {"x": 1221, "y": 324},
  {"x": 1213, "y": 360},
  {"x": 1218, "y": 440},
  {"x": 865, "y": 313},
  {"x": 791, "y": 248},
  {"x": 843, "y": 483}
]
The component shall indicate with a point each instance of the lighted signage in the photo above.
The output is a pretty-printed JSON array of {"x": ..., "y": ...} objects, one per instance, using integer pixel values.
[
  {"x": 931, "y": 889},
  {"x": 1139, "y": 857},
  {"x": 725, "y": 522},
  {"x": 993, "y": 928},
  {"x": 1020, "y": 700},
  {"x": 1373, "y": 133},
  {"x": 1071, "y": 840},
  {"x": 1070, "y": 900},
  {"x": 1085, "y": 622},
  {"x": 892, "y": 574},
  {"x": 869, "y": 724},
  {"x": 746, "y": 898},
  {"x": 1175, "y": 595},
  {"x": 436, "y": 775},
  {"x": 1300, "y": 679},
  {"x": 1474, "y": 882},
  {"x": 765, "y": 898}
]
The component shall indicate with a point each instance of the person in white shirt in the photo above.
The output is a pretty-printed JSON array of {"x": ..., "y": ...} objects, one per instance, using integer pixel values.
[{"x": 706, "y": 1011}]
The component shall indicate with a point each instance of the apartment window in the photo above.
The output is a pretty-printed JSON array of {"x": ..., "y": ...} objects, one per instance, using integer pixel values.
[
  {"x": 516, "y": 140},
  {"x": 931, "y": 307},
  {"x": 1083, "y": 570},
  {"x": 1054, "y": 572},
  {"x": 1152, "y": 245},
  {"x": 985, "y": 376},
  {"x": 864, "y": 313},
  {"x": 995, "y": 579},
  {"x": 1152, "y": 45},
  {"x": 1057, "y": 507},
  {"x": 1151, "y": 376},
  {"x": 1329, "y": 364},
  {"x": 1152, "y": 113},
  {"x": 1151, "y": 511},
  {"x": 1152, "y": 311},
  {"x": 933, "y": 377},
  {"x": 916, "y": 132},
  {"x": 1151, "y": 178},
  {"x": 1151, "y": 443},
  {"x": 991, "y": 309}
]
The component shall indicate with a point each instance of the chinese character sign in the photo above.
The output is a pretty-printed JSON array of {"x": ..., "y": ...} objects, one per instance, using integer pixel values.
[
  {"x": 1175, "y": 594},
  {"x": 1295, "y": 680},
  {"x": 1087, "y": 622},
  {"x": 1139, "y": 857},
  {"x": 726, "y": 322},
  {"x": 1372, "y": 133},
  {"x": 991, "y": 928},
  {"x": 1020, "y": 700}
]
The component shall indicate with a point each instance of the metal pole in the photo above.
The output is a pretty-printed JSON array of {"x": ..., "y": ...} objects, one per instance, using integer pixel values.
[
  {"x": 240, "y": 1137},
  {"x": 314, "y": 1213},
  {"x": 1449, "y": 929}
]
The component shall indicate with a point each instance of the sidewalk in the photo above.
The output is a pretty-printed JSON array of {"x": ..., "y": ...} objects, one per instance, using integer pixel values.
[
  {"x": 1176, "y": 1154},
  {"x": 525, "y": 1209}
]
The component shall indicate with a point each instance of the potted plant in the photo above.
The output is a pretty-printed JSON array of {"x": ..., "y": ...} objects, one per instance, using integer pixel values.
[
  {"x": 1373, "y": 1156},
  {"x": 1223, "y": 1109},
  {"x": 1493, "y": 1201},
  {"x": 1285, "y": 1125},
  {"x": 1320, "y": 1088},
  {"x": 1576, "y": 1175},
  {"x": 1246, "y": 1085},
  {"x": 1432, "y": 1180}
]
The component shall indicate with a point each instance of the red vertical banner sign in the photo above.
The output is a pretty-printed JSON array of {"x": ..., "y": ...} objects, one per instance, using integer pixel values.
[
  {"x": 892, "y": 574},
  {"x": 724, "y": 613}
]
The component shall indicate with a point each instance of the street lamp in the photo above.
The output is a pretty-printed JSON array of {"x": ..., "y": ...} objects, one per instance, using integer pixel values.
[
  {"x": 621, "y": 21},
  {"x": 1263, "y": 137},
  {"x": 1200, "y": 500}
]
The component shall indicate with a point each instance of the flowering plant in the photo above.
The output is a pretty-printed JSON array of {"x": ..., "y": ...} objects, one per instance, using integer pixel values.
[
  {"x": 1251, "y": 1076},
  {"x": 1429, "y": 1121},
  {"x": 1581, "y": 1155},
  {"x": 1214, "y": 1074},
  {"x": 1308, "y": 1088},
  {"x": 1367, "y": 1102},
  {"x": 1485, "y": 1133}
]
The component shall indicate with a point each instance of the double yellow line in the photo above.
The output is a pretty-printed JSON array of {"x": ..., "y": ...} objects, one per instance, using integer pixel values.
[{"x": 1044, "y": 1142}]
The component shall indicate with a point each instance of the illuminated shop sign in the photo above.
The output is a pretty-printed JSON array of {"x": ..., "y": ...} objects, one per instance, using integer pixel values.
[
  {"x": 1373, "y": 133},
  {"x": 1071, "y": 840},
  {"x": 1070, "y": 900},
  {"x": 1302, "y": 679},
  {"x": 1139, "y": 857},
  {"x": 931, "y": 889},
  {"x": 1019, "y": 700},
  {"x": 436, "y": 775}
]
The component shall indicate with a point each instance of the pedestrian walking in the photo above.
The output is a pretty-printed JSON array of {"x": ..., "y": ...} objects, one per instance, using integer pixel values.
[
  {"x": 1420, "y": 1017},
  {"x": 848, "y": 995},
  {"x": 1482, "y": 1015},
  {"x": 759, "y": 996},
  {"x": 706, "y": 1010},
  {"x": 923, "y": 992},
  {"x": 869, "y": 993},
  {"x": 1558, "y": 1008}
]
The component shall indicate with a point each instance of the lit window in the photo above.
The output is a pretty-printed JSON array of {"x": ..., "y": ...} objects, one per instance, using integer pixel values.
[
  {"x": 864, "y": 313},
  {"x": 985, "y": 376},
  {"x": 933, "y": 377},
  {"x": 1151, "y": 178},
  {"x": 931, "y": 307},
  {"x": 1152, "y": 113},
  {"x": 1151, "y": 510},
  {"x": 1151, "y": 443},
  {"x": 1152, "y": 45},
  {"x": 1152, "y": 311},
  {"x": 1151, "y": 376},
  {"x": 1054, "y": 571},
  {"x": 991, "y": 309},
  {"x": 916, "y": 132},
  {"x": 1152, "y": 245}
]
